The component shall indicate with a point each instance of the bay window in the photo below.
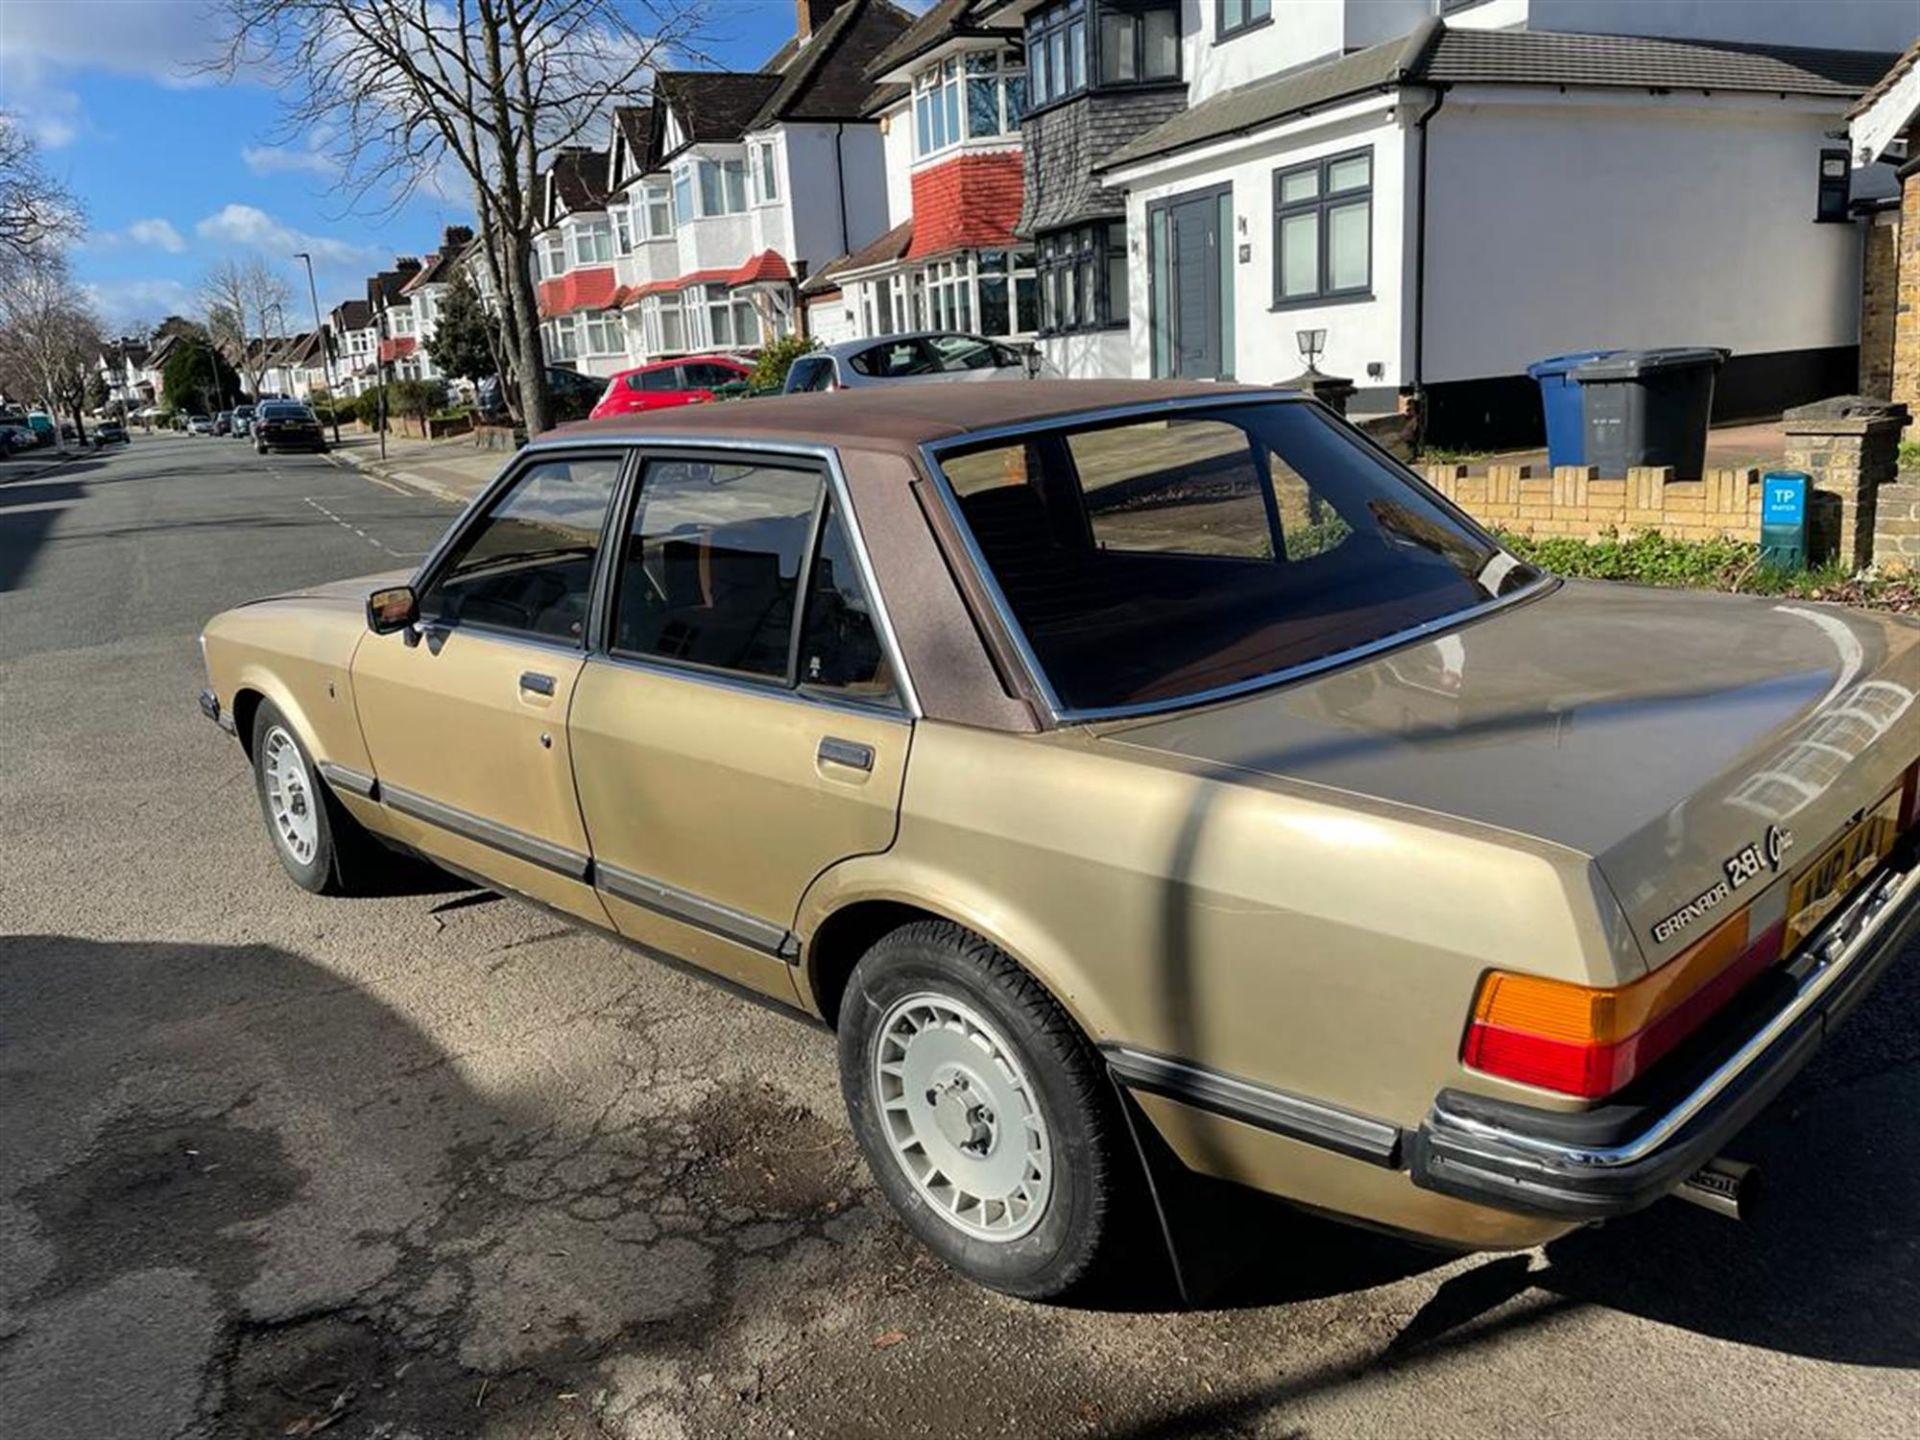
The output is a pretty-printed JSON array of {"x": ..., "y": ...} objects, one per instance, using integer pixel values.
[
  {"x": 565, "y": 341},
  {"x": 662, "y": 324},
  {"x": 592, "y": 243},
  {"x": 1103, "y": 43},
  {"x": 936, "y": 108},
  {"x": 1139, "y": 41},
  {"x": 723, "y": 186},
  {"x": 1083, "y": 278},
  {"x": 1323, "y": 230},
  {"x": 553, "y": 255},
  {"x": 1057, "y": 51},
  {"x": 1009, "y": 292},
  {"x": 766, "y": 173},
  {"x": 659, "y": 210},
  {"x": 722, "y": 320},
  {"x": 683, "y": 195},
  {"x": 623, "y": 231},
  {"x": 604, "y": 335}
]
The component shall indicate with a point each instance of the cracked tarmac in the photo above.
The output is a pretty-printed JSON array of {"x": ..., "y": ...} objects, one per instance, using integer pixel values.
[{"x": 427, "y": 1166}]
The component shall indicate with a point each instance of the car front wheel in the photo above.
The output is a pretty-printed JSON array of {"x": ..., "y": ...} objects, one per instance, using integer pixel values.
[
  {"x": 322, "y": 847},
  {"x": 982, "y": 1110}
]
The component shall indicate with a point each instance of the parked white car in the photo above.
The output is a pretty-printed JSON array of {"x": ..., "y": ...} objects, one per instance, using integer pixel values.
[{"x": 917, "y": 357}]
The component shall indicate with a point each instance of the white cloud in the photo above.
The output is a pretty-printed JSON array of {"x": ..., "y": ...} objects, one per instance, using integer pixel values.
[
  {"x": 125, "y": 303},
  {"x": 158, "y": 234},
  {"x": 254, "y": 228},
  {"x": 285, "y": 159}
]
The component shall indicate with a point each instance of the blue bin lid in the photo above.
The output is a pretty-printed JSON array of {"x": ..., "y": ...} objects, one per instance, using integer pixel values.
[{"x": 1561, "y": 364}]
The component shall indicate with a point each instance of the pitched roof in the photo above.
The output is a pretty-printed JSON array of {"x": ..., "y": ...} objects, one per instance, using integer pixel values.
[
  {"x": 438, "y": 268},
  {"x": 884, "y": 97},
  {"x": 577, "y": 179},
  {"x": 713, "y": 105},
  {"x": 827, "y": 80},
  {"x": 883, "y": 251},
  {"x": 1433, "y": 54},
  {"x": 943, "y": 21},
  {"x": 636, "y": 124},
  {"x": 353, "y": 314}
]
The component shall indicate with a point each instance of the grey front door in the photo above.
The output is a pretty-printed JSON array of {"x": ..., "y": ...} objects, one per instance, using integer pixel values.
[{"x": 1194, "y": 241}]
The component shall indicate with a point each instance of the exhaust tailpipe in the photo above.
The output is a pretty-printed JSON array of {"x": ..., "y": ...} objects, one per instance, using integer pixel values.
[{"x": 1726, "y": 1187}]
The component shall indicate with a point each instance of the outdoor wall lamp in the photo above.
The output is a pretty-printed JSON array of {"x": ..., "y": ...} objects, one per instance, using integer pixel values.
[{"x": 1313, "y": 344}]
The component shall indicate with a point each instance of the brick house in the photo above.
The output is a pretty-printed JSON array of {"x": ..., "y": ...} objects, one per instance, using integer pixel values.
[
  {"x": 356, "y": 344},
  {"x": 1450, "y": 197},
  {"x": 427, "y": 291},
  {"x": 1882, "y": 130}
]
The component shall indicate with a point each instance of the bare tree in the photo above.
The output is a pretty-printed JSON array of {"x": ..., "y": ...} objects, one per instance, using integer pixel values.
[
  {"x": 36, "y": 212},
  {"x": 492, "y": 88},
  {"x": 50, "y": 339},
  {"x": 246, "y": 301}
]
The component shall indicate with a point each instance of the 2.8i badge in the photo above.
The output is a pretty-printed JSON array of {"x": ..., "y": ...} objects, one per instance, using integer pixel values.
[{"x": 1748, "y": 861}]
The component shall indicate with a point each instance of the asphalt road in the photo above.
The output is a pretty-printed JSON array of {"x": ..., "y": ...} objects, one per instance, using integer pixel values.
[{"x": 432, "y": 1165}]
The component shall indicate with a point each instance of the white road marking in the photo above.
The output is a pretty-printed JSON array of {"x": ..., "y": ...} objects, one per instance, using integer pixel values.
[{"x": 349, "y": 525}]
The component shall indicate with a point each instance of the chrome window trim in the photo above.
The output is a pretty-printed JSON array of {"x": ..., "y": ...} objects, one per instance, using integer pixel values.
[
  {"x": 696, "y": 910},
  {"x": 824, "y": 455},
  {"x": 1062, "y": 714},
  {"x": 504, "y": 838}
]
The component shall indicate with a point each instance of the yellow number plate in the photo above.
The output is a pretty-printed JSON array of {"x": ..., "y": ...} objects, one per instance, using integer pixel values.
[{"x": 1828, "y": 881}]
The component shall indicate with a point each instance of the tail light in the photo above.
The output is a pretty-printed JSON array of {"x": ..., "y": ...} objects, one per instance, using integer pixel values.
[{"x": 1587, "y": 1041}]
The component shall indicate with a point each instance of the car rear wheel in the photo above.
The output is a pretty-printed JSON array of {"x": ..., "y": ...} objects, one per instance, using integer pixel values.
[
  {"x": 319, "y": 844},
  {"x": 983, "y": 1112}
]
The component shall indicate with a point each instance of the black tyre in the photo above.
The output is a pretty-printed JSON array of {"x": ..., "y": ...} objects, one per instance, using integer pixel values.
[
  {"x": 319, "y": 844},
  {"x": 984, "y": 1114}
]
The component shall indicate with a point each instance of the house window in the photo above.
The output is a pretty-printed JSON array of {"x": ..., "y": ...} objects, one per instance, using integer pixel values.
[
  {"x": 659, "y": 210},
  {"x": 936, "y": 108},
  {"x": 1233, "y": 16},
  {"x": 1323, "y": 230},
  {"x": 400, "y": 320},
  {"x": 1083, "y": 278},
  {"x": 722, "y": 320},
  {"x": 663, "y": 324},
  {"x": 604, "y": 333},
  {"x": 723, "y": 187},
  {"x": 592, "y": 243},
  {"x": 566, "y": 338},
  {"x": 996, "y": 93},
  {"x": 553, "y": 255},
  {"x": 1139, "y": 41},
  {"x": 766, "y": 176},
  {"x": 1057, "y": 51},
  {"x": 949, "y": 292},
  {"x": 683, "y": 195},
  {"x": 1004, "y": 273},
  {"x": 623, "y": 231}
]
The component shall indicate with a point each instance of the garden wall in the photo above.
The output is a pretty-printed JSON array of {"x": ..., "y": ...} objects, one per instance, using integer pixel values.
[{"x": 1572, "y": 500}]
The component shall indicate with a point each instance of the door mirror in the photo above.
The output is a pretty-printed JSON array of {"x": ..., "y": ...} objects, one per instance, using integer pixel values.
[{"x": 392, "y": 609}]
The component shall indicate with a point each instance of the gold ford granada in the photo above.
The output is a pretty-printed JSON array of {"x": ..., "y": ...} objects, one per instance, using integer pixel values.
[{"x": 1118, "y": 763}]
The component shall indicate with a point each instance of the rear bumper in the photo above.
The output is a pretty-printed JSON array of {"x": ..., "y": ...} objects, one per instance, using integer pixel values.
[{"x": 1612, "y": 1162}]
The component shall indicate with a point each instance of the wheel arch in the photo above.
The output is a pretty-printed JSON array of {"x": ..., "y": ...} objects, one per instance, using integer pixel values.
[{"x": 851, "y": 906}]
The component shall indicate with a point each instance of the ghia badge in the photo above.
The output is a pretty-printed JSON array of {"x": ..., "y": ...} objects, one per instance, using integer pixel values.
[{"x": 1740, "y": 867}]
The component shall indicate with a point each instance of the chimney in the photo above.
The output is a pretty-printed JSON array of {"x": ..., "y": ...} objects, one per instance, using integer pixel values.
[
  {"x": 456, "y": 237},
  {"x": 810, "y": 15},
  {"x": 406, "y": 264}
]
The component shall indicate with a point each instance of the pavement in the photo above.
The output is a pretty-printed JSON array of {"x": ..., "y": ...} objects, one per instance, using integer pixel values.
[
  {"x": 437, "y": 1165},
  {"x": 451, "y": 470}
]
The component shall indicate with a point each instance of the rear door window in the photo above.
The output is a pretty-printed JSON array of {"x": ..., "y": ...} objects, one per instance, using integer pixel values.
[
  {"x": 893, "y": 359},
  {"x": 661, "y": 377},
  {"x": 811, "y": 373}
]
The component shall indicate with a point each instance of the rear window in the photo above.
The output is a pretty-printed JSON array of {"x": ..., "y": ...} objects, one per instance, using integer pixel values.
[
  {"x": 892, "y": 360},
  {"x": 1155, "y": 560},
  {"x": 664, "y": 377}
]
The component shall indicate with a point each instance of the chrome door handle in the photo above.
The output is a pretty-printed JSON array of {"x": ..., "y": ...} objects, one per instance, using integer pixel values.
[
  {"x": 536, "y": 683},
  {"x": 849, "y": 753}
]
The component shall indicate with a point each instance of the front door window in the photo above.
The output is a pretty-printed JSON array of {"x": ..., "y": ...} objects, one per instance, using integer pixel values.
[{"x": 527, "y": 567}]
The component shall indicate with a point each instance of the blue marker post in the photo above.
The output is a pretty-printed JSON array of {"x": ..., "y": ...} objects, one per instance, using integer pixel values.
[{"x": 1783, "y": 520}]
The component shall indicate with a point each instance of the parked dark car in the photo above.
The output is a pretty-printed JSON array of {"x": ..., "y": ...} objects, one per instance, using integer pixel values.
[
  {"x": 286, "y": 425},
  {"x": 110, "y": 432},
  {"x": 223, "y": 423},
  {"x": 574, "y": 396}
]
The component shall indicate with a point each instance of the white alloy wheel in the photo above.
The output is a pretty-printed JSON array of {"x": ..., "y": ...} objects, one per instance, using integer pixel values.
[
  {"x": 961, "y": 1117},
  {"x": 291, "y": 801}
]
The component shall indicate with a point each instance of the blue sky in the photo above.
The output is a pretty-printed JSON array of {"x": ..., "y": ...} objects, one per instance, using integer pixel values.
[{"x": 178, "y": 173}]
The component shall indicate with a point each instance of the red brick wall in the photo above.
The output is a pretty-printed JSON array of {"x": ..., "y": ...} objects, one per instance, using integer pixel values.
[{"x": 969, "y": 202}]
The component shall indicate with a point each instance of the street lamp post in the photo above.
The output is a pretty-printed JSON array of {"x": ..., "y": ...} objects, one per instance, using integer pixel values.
[{"x": 326, "y": 350}]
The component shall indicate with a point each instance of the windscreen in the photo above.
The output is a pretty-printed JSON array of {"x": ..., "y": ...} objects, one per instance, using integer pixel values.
[{"x": 1157, "y": 559}]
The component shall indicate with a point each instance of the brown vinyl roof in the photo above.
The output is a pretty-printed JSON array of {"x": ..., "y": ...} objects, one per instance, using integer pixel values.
[
  {"x": 1433, "y": 54},
  {"x": 897, "y": 418}
]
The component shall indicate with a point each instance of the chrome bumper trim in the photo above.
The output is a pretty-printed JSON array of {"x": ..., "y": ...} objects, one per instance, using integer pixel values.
[
  {"x": 210, "y": 707},
  {"x": 1822, "y": 964}
]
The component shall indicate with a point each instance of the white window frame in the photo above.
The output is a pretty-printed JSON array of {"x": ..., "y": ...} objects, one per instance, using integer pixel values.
[
  {"x": 603, "y": 333},
  {"x": 657, "y": 207},
  {"x": 552, "y": 255},
  {"x": 625, "y": 229},
  {"x": 763, "y": 172},
  {"x": 591, "y": 242}
]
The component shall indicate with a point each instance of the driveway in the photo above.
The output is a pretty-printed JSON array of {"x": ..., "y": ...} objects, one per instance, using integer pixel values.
[{"x": 434, "y": 1164}]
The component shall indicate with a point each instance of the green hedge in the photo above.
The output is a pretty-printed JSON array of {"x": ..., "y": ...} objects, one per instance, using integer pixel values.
[{"x": 1650, "y": 558}]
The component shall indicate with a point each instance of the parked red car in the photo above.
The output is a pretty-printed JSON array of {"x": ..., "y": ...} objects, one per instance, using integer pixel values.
[{"x": 669, "y": 382}]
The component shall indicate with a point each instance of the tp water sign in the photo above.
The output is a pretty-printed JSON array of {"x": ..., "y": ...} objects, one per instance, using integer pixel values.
[{"x": 1783, "y": 520}]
